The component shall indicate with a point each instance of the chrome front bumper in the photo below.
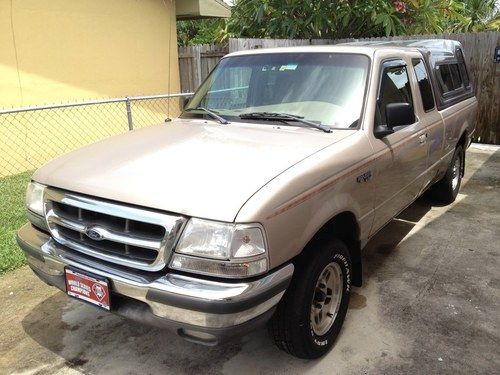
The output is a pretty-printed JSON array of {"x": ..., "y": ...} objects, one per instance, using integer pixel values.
[{"x": 200, "y": 310}]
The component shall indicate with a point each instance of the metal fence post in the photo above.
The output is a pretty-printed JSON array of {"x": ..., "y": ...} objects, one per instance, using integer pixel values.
[{"x": 129, "y": 114}]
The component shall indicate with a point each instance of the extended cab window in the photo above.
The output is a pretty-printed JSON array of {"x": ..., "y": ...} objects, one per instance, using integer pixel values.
[
  {"x": 423, "y": 84},
  {"x": 394, "y": 88}
]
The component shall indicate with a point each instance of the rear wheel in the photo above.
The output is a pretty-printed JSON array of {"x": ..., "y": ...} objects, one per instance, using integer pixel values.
[
  {"x": 446, "y": 189},
  {"x": 310, "y": 315}
]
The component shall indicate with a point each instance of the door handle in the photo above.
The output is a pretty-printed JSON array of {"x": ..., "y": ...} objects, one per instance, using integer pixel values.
[{"x": 422, "y": 138}]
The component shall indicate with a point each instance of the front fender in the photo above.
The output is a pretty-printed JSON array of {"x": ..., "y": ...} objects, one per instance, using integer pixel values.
[{"x": 294, "y": 206}]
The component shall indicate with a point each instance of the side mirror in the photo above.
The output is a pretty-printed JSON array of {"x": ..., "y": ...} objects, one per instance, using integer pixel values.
[
  {"x": 382, "y": 131},
  {"x": 398, "y": 114}
]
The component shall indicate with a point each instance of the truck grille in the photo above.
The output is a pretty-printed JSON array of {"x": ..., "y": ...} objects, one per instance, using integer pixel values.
[{"x": 116, "y": 233}]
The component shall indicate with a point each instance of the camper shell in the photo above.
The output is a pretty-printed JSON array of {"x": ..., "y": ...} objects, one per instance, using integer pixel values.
[{"x": 444, "y": 58}]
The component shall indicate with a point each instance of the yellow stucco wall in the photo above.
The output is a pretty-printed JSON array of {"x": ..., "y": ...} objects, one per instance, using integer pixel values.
[
  {"x": 60, "y": 50},
  {"x": 56, "y": 51}
]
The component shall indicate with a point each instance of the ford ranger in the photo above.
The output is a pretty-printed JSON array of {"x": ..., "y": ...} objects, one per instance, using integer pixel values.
[{"x": 254, "y": 205}]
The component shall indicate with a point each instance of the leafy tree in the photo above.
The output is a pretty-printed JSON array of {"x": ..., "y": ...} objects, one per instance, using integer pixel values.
[
  {"x": 482, "y": 15},
  {"x": 312, "y": 19},
  {"x": 356, "y": 18},
  {"x": 429, "y": 16},
  {"x": 322, "y": 19},
  {"x": 203, "y": 31}
]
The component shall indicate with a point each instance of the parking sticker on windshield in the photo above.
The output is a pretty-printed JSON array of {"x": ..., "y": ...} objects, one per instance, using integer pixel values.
[{"x": 288, "y": 67}]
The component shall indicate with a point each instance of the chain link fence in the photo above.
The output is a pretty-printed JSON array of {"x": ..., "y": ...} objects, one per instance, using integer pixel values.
[{"x": 31, "y": 136}]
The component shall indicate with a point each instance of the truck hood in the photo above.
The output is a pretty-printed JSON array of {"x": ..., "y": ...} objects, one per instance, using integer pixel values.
[{"x": 194, "y": 167}]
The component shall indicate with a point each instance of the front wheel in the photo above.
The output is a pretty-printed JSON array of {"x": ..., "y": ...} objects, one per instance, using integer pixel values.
[{"x": 310, "y": 315}]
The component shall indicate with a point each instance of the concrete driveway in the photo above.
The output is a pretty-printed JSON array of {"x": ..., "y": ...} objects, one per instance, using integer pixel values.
[{"x": 430, "y": 303}]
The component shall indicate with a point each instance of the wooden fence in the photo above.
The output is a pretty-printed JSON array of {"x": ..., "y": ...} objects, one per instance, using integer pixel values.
[{"x": 196, "y": 62}]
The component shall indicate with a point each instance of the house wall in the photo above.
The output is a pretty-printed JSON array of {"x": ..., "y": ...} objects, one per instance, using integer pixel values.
[
  {"x": 61, "y": 51},
  {"x": 56, "y": 51}
]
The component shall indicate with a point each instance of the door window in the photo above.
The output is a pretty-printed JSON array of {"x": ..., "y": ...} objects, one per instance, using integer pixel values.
[{"x": 394, "y": 88}]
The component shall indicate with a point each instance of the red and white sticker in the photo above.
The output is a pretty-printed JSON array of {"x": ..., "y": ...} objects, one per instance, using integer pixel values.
[{"x": 87, "y": 288}]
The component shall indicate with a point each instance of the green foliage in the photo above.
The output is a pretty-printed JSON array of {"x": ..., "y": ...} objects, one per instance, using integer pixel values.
[
  {"x": 204, "y": 31},
  {"x": 12, "y": 217},
  {"x": 482, "y": 15},
  {"x": 292, "y": 19},
  {"x": 313, "y": 19}
]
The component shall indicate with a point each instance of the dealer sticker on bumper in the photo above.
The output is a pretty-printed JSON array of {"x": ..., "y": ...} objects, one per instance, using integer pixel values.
[{"x": 87, "y": 288}]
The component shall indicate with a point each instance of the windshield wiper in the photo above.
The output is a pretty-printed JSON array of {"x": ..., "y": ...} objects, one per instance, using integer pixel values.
[
  {"x": 283, "y": 117},
  {"x": 211, "y": 113}
]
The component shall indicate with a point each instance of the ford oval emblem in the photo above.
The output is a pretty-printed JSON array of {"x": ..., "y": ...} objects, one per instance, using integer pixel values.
[{"x": 94, "y": 234}]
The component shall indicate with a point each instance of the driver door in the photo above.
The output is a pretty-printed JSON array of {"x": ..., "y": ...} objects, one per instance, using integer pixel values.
[{"x": 401, "y": 156}]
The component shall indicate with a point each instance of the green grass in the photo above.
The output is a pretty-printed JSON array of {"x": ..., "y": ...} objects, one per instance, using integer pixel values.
[{"x": 12, "y": 217}]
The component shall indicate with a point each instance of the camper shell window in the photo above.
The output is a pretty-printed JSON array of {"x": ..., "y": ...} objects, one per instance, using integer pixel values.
[{"x": 449, "y": 77}]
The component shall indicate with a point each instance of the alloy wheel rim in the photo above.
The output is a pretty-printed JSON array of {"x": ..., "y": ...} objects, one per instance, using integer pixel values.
[{"x": 326, "y": 299}]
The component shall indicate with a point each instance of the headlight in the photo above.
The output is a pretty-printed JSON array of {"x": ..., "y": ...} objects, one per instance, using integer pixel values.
[
  {"x": 34, "y": 198},
  {"x": 34, "y": 204},
  {"x": 221, "y": 249}
]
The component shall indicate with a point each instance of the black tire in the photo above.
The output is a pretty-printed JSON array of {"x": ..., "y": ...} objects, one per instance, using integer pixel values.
[
  {"x": 291, "y": 326},
  {"x": 444, "y": 190}
]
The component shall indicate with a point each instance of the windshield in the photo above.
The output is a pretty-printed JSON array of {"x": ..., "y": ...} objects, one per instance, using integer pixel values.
[{"x": 326, "y": 88}]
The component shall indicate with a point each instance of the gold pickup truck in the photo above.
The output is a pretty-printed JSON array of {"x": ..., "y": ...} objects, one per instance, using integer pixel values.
[{"x": 254, "y": 205}]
